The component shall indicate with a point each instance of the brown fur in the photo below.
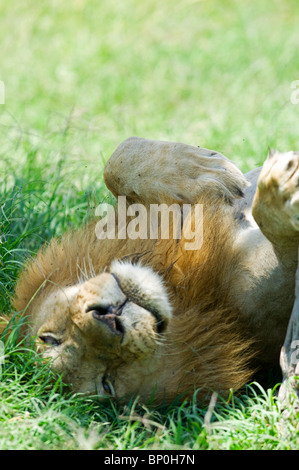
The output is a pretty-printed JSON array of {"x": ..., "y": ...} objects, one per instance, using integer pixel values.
[
  {"x": 231, "y": 299},
  {"x": 205, "y": 344}
]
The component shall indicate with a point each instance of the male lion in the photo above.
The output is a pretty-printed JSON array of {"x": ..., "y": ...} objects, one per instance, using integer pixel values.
[{"x": 123, "y": 317}]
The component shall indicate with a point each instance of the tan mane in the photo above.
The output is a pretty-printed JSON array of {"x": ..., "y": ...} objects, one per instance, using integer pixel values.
[
  {"x": 205, "y": 342},
  {"x": 126, "y": 316}
]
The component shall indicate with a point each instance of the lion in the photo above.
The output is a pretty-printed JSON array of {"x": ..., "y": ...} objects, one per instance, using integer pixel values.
[{"x": 122, "y": 317}]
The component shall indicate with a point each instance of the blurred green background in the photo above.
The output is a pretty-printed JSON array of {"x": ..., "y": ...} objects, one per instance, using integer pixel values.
[{"x": 82, "y": 76}]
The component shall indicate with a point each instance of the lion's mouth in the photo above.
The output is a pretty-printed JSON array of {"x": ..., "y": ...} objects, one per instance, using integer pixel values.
[{"x": 110, "y": 314}]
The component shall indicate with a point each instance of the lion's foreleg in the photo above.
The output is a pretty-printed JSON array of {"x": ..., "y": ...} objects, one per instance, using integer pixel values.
[
  {"x": 289, "y": 356},
  {"x": 276, "y": 203}
]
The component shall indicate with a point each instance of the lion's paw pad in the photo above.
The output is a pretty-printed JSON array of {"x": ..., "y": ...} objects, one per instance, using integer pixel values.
[{"x": 281, "y": 177}]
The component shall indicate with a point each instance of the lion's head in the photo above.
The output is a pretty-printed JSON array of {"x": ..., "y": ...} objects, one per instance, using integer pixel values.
[
  {"x": 116, "y": 332},
  {"x": 105, "y": 334}
]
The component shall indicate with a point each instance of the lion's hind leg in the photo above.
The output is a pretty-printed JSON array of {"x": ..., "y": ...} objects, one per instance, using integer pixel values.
[
  {"x": 150, "y": 172},
  {"x": 276, "y": 203},
  {"x": 289, "y": 360}
]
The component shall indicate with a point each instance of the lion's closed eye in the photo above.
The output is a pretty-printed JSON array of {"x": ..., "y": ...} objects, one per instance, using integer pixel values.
[
  {"x": 108, "y": 387},
  {"x": 50, "y": 340}
]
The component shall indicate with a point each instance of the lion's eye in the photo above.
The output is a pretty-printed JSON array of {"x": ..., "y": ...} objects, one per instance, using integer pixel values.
[
  {"x": 47, "y": 339},
  {"x": 108, "y": 387}
]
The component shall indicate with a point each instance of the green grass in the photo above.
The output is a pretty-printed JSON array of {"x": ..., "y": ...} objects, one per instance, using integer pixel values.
[
  {"x": 79, "y": 78},
  {"x": 38, "y": 412}
]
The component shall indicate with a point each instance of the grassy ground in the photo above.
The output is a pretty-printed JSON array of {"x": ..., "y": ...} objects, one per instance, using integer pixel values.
[{"x": 81, "y": 77}]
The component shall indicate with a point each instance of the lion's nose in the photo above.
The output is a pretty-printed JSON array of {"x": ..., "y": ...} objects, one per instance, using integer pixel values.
[
  {"x": 111, "y": 320},
  {"x": 109, "y": 316}
]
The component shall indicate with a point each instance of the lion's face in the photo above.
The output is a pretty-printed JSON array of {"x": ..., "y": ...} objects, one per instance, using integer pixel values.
[{"x": 105, "y": 335}]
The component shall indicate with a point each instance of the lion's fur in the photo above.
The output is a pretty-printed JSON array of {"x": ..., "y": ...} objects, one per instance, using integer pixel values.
[
  {"x": 205, "y": 345},
  {"x": 230, "y": 299}
]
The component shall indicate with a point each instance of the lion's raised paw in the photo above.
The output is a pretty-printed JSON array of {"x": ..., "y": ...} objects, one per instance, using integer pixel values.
[
  {"x": 150, "y": 171},
  {"x": 280, "y": 180}
]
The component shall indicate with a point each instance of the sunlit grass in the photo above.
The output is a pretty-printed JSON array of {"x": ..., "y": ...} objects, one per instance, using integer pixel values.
[{"x": 38, "y": 412}]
